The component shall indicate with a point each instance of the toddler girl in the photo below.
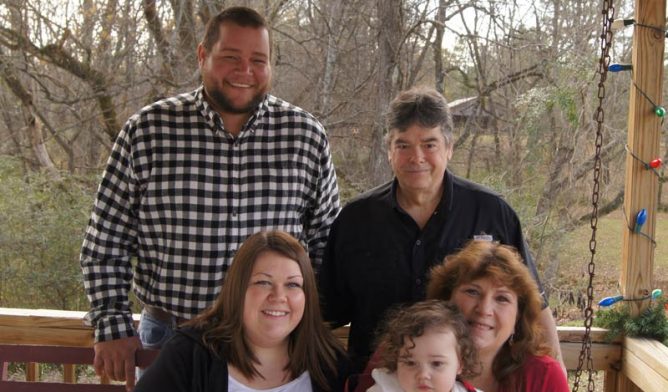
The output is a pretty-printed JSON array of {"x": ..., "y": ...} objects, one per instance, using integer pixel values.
[{"x": 425, "y": 346}]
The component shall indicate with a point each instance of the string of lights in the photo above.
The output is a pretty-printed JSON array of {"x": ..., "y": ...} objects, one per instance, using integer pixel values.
[
  {"x": 639, "y": 222},
  {"x": 619, "y": 24},
  {"x": 653, "y": 165},
  {"x": 609, "y": 301}
]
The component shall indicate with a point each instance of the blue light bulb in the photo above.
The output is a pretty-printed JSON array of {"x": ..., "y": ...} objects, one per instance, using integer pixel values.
[
  {"x": 607, "y": 301},
  {"x": 619, "y": 67},
  {"x": 641, "y": 218}
]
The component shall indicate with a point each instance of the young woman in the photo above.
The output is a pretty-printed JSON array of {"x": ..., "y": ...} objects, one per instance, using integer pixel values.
[{"x": 263, "y": 332}]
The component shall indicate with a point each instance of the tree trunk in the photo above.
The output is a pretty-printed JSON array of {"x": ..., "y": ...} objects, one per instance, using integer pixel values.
[
  {"x": 34, "y": 131},
  {"x": 12, "y": 79},
  {"x": 155, "y": 27},
  {"x": 185, "y": 25},
  {"x": 334, "y": 16},
  {"x": 439, "y": 73},
  {"x": 389, "y": 41},
  {"x": 33, "y": 128}
]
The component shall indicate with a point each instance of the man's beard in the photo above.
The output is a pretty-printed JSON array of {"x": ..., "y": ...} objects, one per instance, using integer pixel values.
[{"x": 224, "y": 104}]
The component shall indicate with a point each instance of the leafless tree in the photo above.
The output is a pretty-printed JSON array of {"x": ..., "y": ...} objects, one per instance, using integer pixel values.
[{"x": 73, "y": 72}]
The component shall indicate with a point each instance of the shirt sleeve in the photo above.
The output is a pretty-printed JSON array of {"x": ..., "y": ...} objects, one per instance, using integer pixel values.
[
  {"x": 517, "y": 240},
  {"x": 544, "y": 374},
  {"x": 109, "y": 243},
  {"x": 324, "y": 209},
  {"x": 555, "y": 380},
  {"x": 334, "y": 297}
]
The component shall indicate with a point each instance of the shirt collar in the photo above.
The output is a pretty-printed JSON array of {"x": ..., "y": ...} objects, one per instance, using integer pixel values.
[
  {"x": 446, "y": 198},
  {"x": 261, "y": 109},
  {"x": 213, "y": 118}
]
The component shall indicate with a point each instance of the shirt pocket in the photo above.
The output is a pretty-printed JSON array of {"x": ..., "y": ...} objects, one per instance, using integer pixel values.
[
  {"x": 373, "y": 274},
  {"x": 284, "y": 188}
]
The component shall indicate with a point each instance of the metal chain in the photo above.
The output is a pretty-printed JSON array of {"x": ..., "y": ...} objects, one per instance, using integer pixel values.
[{"x": 604, "y": 61}]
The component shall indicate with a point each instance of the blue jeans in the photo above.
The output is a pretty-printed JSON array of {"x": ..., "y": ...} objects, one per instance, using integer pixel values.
[{"x": 153, "y": 334}]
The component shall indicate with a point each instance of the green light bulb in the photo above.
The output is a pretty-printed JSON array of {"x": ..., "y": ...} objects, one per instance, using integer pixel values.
[{"x": 660, "y": 111}]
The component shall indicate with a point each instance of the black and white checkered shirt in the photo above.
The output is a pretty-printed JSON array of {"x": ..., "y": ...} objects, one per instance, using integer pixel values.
[{"x": 180, "y": 194}]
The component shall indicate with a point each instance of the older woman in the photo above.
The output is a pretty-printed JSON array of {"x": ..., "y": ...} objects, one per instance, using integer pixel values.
[
  {"x": 501, "y": 303},
  {"x": 264, "y": 331}
]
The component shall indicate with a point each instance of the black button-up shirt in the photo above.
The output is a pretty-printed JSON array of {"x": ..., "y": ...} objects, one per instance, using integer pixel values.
[{"x": 377, "y": 256}]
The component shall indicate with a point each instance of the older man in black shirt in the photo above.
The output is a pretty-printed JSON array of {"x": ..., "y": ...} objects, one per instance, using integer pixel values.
[{"x": 383, "y": 244}]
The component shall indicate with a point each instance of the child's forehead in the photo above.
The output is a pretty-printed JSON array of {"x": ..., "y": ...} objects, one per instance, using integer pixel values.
[
  {"x": 442, "y": 336},
  {"x": 444, "y": 329}
]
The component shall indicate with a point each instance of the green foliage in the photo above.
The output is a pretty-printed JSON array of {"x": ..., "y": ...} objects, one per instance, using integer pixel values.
[
  {"x": 651, "y": 323},
  {"x": 42, "y": 220}
]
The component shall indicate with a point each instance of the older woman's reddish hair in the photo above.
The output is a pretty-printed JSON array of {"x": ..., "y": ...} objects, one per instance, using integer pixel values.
[{"x": 503, "y": 265}]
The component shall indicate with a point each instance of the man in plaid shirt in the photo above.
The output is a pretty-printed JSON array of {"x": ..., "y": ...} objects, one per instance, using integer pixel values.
[{"x": 189, "y": 178}]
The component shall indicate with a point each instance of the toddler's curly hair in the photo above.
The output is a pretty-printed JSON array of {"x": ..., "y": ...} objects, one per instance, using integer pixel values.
[{"x": 406, "y": 323}]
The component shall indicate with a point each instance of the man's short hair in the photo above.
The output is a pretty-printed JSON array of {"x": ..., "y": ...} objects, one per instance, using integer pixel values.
[
  {"x": 241, "y": 16},
  {"x": 421, "y": 106}
]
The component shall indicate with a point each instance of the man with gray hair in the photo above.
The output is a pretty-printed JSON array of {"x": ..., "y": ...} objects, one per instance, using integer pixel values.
[{"x": 383, "y": 244}]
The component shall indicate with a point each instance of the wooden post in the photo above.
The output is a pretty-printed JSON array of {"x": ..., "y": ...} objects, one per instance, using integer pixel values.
[
  {"x": 610, "y": 383},
  {"x": 642, "y": 185},
  {"x": 69, "y": 374},
  {"x": 32, "y": 371}
]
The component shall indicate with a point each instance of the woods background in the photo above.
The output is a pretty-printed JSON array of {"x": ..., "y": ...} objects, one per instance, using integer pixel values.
[{"x": 520, "y": 76}]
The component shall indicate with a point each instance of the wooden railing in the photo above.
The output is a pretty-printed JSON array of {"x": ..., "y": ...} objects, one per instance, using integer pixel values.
[
  {"x": 645, "y": 362},
  {"x": 45, "y": 327},
  {"x": 58, "y": 355}
]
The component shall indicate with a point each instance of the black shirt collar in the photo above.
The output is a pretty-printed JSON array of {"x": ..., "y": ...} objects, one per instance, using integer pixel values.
[{"x": 446, "y": 198}]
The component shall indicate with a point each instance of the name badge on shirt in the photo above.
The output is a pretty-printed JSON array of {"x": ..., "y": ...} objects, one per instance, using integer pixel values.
[{"x": 483, "y": 237}]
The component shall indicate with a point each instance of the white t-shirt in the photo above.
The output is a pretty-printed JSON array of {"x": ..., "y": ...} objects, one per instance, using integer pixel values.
[
  {"x": 299, "y": 384},
  {"x": 388, "y": 382}
]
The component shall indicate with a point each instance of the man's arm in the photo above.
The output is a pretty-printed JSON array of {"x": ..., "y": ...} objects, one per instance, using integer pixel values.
[
  {"x": 334, "y": 299},
  {"x": 325, "y": 208},
  {"x": 108, "y": 245},
  {"x": 548, "y": 324}
]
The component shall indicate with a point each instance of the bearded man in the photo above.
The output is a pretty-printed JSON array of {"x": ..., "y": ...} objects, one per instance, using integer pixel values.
[{"x": 189, "y": 179}]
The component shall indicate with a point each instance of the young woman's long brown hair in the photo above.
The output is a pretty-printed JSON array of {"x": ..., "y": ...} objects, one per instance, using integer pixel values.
[
  {"x": 502, "y": 264},
  {"x": 312, "y": 346}
]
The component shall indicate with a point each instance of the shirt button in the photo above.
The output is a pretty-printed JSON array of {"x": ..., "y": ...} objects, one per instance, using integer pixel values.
[
  {"x": 418, "y": 281},
  {"x": 418, "y": 242}
]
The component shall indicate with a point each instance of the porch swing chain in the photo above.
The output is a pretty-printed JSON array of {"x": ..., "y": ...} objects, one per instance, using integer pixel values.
[{"x": 604, "y": 61}]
